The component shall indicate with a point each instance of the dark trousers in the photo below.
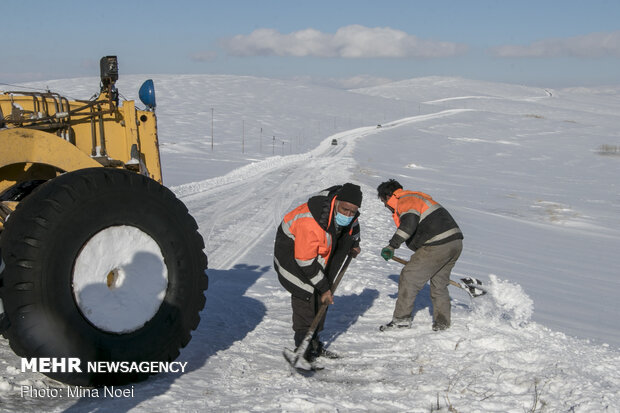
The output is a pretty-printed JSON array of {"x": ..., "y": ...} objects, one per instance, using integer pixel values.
[
  {"x": 304, "y": 311},
  {"x": 434, "y": 264},
  {"x": 303, "y": 315}
]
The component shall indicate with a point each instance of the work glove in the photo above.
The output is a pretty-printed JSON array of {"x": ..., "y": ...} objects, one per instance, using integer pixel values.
[{"x": 387, "y": 252}]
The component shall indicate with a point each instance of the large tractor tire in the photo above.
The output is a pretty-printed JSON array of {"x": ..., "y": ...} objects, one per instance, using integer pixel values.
[{"x": 101, "y": 265}]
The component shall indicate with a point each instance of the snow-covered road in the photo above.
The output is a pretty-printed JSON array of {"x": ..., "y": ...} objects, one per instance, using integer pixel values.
[
  {"x": 235, "y": 211},
  {"x": 495, "y": 171}
]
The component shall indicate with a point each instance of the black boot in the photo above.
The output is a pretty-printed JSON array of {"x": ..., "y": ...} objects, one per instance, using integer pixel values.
[
  {"x": 318, "y": 350},
  {"x": 441, "y": 323},
  {"x": 310, "y": 354}
]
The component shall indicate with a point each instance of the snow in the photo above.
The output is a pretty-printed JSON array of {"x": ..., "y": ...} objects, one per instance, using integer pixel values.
[
  {"x": 120, "y": 279},
  {"x": 516, "y": 166}
]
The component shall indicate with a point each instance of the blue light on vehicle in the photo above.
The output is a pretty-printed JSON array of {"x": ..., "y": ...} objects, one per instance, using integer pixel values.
[{"x": 147, "y": 94}]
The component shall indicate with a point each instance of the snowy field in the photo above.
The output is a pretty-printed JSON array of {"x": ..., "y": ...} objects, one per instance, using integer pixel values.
[{"x": 519, "y": 168}]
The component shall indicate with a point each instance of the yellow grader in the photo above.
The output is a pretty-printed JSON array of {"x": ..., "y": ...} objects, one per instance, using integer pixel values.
[{"x": 99, "y": 262}]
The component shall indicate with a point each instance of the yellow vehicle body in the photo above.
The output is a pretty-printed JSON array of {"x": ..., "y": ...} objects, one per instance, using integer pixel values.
[
  {"x": 99, "y": 261},
  {"x": 43, "y": 135}
]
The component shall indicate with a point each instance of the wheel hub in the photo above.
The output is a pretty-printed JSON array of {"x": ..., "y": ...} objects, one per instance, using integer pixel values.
[{"x": 120, "y": 279}]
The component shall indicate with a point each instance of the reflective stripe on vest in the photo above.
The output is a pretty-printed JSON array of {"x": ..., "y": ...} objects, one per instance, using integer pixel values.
[
  {"x": 311, "y": 241},
  {"x": 292, "y": 279},
  {"x": 408, "y": 202}
]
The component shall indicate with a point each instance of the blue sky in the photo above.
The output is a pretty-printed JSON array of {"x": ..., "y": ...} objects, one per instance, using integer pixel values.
[{"x": 342, "y": 43}]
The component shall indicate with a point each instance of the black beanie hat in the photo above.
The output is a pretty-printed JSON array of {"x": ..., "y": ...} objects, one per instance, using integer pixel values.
[{"x": 350, "y": 193}]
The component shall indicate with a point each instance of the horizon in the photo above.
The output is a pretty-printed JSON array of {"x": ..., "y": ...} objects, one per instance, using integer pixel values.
[
  {"x": 521, "y": 172},
  {"x": 349, "y": 45}
]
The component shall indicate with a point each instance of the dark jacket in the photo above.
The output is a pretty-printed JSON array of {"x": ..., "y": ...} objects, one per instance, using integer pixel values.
[
  {"x": 310, "y": 247},
  {"x": 421, "y": 221}
]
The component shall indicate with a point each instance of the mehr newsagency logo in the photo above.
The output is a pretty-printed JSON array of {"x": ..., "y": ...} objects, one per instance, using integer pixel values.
[{"x": 75, "y": 365}]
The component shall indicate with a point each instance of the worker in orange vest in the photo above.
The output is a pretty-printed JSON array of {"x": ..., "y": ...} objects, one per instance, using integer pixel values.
[
  {"x": 311, "y": 244},
  {"x": 428, "y": 229}
]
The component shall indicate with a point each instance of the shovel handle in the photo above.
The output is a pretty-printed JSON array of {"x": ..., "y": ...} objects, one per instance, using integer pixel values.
[
  {"x": 398, "y": 259},
  {"x": 317, "y": 319},
  {"x": 341, "y": 273},
  {"x": 405, "y": 262}
]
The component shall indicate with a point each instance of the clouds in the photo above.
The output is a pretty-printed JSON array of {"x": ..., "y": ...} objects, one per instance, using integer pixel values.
[
  {"x": 360, "y": 42},
  {"x": 349, "y": 42},
  {"x": 357, "y": 41},
  {"x": 592, "y": 45}
]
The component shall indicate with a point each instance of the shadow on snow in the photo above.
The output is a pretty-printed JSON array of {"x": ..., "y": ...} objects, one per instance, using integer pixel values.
[
  {"x": 228, "y": 317},
  {"x": 345, "y": 312}
]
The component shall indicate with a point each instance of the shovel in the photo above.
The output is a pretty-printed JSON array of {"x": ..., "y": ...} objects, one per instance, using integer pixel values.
[
  {"x": 473, "y": 286},
  {"x": 296, "y": 358}
]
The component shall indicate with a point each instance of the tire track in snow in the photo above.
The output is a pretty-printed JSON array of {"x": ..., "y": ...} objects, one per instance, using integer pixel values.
[
  {"x": 234, "y": 217},
  {"x": 238, "y": 210}
]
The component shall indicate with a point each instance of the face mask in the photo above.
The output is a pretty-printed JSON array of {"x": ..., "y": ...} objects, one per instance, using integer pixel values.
[{"x": 343, "y": 220}]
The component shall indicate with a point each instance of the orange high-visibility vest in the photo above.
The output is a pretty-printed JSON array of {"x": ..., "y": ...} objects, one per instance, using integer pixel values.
[
  {"x": 311, "y": 241},
  {"x": 409, "y": 202}
]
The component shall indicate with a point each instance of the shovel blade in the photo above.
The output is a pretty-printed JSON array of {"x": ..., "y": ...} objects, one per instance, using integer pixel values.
[
  {"x": 296, "y": 360},
  {"x": 290, "y": 356},
  {"x": 473, "y": 286}
]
